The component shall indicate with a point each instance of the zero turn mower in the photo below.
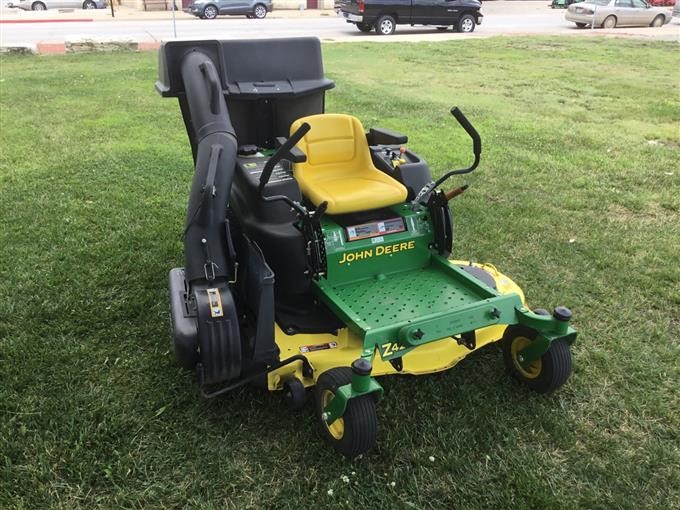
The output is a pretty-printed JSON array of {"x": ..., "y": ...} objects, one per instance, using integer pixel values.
[{"x": 317, "y": 254}]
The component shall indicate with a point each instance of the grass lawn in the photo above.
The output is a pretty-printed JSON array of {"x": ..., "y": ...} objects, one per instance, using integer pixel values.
[{"x": 577, "y": 198}]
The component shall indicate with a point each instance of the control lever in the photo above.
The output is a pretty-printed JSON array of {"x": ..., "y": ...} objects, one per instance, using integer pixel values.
[
  {"x": 476, "y": 149},
  {"x": 282, "y": 152}
]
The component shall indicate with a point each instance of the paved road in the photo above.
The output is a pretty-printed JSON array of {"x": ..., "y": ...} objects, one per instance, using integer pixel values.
[{"x": 500, "y": 18}]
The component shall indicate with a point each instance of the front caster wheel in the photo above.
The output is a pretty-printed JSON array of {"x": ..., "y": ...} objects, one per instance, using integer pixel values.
[
  {"x": 356, "y": 431},
  {"x": 295, "y": 393},
  {"x": 543, "y": 375}
]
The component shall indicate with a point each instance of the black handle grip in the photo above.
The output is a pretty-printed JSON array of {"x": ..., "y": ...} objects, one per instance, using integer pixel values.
[
  {"x": 210, "y": 73},
  {"x": 281, "y": 153},
  {"x": 469, "y": 129}
]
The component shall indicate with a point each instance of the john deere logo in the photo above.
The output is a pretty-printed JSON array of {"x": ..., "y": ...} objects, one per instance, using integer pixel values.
[{"x": 386, "y": 249}]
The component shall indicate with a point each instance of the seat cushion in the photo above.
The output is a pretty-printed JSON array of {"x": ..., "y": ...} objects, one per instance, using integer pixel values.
[{"x": 339, "y": 169}]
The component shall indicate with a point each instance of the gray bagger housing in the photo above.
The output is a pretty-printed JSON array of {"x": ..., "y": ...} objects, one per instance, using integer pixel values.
[{"x": 231, "y": 93}]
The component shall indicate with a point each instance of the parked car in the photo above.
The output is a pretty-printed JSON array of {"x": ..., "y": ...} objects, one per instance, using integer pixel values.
[
  {"x": 41, "y": 5},
  {"x": 383, "y": 16},
  {"x": 210, "y": 9},
  {"x": 615, "y": 13},
  {"x": 562, "y": 4}
]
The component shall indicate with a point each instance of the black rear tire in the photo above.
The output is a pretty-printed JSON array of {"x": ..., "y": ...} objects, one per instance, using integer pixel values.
[
  {"x": 356, "y": 431},
  {"x": 386, "y": 25},
  {"x": 545, "y": 374},
  {"x": 38, "y": 6}
]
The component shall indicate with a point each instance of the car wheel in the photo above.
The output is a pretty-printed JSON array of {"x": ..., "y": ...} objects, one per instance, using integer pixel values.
[
  {"x": 364, "y": 27},
  {"x": 385, "y": 25},
  {"x": 260, "y": 11},
  {"x": 210, "y": 12},
  {"x": 609, "y": 22},
  {"x": 466, "y": 24},
  {"x": 658, "y": 21},
  {"x": 38, "y": 6},
  {"x": 581, "y": 25},
  {"x": 89, "y": 4},
  {"x": 442, "y": 29}
]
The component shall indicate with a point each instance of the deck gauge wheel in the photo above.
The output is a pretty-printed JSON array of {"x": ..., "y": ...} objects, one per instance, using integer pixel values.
[{"x": 295, "y": 393}]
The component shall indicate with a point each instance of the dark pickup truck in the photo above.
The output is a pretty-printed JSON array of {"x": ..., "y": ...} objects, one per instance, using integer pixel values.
[{"x": 385, "y": 15}]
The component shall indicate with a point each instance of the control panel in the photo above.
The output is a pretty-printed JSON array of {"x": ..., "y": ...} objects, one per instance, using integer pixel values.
[{"x": 375, "y": 228}]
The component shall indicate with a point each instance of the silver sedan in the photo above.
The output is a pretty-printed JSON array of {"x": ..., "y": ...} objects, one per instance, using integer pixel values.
[
  {"x": 41, "y": 5},
  {"x": 614, "y": 13}
]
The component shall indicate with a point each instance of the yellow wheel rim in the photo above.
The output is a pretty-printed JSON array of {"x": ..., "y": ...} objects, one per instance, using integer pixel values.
[
  {"x": 337, "y": 428},
  {"x": 534, "y": 369}
]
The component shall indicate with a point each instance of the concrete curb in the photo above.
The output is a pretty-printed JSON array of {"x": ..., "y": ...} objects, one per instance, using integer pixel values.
[
  {"x": 56, "y": 20},
  {"x": 86, "y": 46}
]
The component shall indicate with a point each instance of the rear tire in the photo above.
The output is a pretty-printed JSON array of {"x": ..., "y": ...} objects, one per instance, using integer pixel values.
[
  {"x": 259, "y": 11},
  {"x": 658, "y": 21},
  {"x": 364, "y": 27},
  {"x": 210, "y": 12},
  {"x": 543, "y": 375},
  {"x": 466, "y": 24},
  {"x": 38, "y": 6},
  {"x": 89, "y": 4},
  {"x": 386, "y": 25},
  {"x": 356, "y": 431},
  {"x": 609, "y": 22}
]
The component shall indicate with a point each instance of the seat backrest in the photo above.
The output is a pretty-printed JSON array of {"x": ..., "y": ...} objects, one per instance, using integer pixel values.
[{"x": 335, "y": 146}]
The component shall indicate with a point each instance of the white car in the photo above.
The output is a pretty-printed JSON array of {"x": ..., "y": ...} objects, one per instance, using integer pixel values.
[
  {"x": 616, "y": 13},
  {"x": 41, "y": 5}
]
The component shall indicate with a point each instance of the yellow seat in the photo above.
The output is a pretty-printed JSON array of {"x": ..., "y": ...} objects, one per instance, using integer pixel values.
[{"x": 339, "y": 169}]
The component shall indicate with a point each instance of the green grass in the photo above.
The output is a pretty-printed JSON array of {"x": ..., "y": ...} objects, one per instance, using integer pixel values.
[{"x": 577, "y": 198}]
